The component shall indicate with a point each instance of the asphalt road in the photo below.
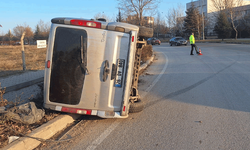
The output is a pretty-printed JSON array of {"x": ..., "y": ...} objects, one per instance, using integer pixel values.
[{"x": 192, "y": 102}]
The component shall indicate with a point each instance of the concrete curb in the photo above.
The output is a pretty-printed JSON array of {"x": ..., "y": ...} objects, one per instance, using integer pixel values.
[
  {"x": 148, "y": 62},
  {"x": 50, "y": 128},
  {"x": 45, "y": 131},
  {"x": 23, "y": 85}
]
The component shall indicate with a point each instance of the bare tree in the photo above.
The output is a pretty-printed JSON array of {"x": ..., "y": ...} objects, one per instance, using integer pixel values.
[
  {"x": 44, "y": 27},
  {"x": 175, "y": 19},
  {"x": 157, "y": 27},
  {"x": 138, "y": 7},
  {"x": 120, "y": 16},
  {"x": 232, "y": 8},
  {"x": 10, "y": 36},
  {"x": 169, "y": 19},
  {"x": 160, "y": 29},
  {"x": 163, "y": 28},
  {"x": 199, "y": 20},
  {"x": 29, "y": 34},
  {"x": 20, "y": 29},
  {"x": 42, "y": 30}
]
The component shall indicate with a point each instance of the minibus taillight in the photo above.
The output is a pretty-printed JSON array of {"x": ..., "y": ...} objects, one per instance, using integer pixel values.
[
  {"x": 48, "y": 64},
  {"x": 76, "y": 110},
  {"x": 133, "y": 38},
  {"x": 124, "y": 108},
  {"x": 86, "y": 23}
]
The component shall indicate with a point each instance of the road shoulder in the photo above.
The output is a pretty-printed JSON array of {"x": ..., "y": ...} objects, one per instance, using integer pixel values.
[{"x": 52, "y": 127}]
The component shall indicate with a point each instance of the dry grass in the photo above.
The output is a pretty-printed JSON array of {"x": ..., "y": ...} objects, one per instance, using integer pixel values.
[
  {"x": 11, "y": 58},
  {"x": 238, "y": 41}
]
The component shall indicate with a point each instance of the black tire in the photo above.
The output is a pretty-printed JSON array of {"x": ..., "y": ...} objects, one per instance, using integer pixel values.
[
  {"x": 170, "y": 44},
  {"x": 136, "y": 106},
  {"x": 145, "y": 32},
  {"x": 176, "y": 44}
]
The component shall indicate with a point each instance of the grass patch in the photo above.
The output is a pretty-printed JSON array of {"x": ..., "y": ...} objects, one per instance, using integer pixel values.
[
  {"x": 238, "y": 41},
  {"x": 11, "y": 58}
]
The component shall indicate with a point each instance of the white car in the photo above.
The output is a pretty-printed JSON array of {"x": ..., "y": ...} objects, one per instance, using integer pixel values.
[{"x": 90, "y": 67}]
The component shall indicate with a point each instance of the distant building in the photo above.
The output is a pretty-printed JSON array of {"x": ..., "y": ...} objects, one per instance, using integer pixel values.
[
  {"x": 245, "y": 10},
  {"x": 208, "y": 9}
]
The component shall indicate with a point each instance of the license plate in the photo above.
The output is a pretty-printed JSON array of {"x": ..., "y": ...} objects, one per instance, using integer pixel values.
[{"x": 119, "y": 72}]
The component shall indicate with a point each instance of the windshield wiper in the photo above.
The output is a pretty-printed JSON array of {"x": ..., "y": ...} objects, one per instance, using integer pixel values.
[{"x": 82, "y": 56}]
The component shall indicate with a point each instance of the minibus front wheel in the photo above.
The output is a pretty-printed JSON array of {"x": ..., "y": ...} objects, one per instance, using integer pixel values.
[{"x": 136, "y": 106}]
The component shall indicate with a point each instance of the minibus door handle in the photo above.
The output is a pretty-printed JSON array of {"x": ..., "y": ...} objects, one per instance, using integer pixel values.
[{"x": 106, "y": 70}]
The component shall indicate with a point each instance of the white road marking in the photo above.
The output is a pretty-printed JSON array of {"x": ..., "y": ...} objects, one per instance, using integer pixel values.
[
  {"x": 112, "y": 127},
  {"x": 103, "y": 135}
]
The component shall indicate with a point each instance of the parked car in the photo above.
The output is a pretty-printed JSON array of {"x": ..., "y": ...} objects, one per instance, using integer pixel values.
[
  {"x": 17, "y": 43},
  {"x": 92, "y": 67},
  {"x": 178, "y": 41},
  {"x": 153, "y": 41}
]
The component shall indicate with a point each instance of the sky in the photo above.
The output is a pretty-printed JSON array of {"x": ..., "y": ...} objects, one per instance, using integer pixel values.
[{"x": 30, "y": 12}]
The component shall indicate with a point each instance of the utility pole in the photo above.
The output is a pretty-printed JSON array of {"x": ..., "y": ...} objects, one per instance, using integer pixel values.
[{"x": 202, "y": 21}]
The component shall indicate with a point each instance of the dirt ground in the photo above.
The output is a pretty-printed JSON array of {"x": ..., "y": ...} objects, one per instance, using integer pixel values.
[
  {"x": 10, "y": 128},
  {"x": 11, "y": 64}
]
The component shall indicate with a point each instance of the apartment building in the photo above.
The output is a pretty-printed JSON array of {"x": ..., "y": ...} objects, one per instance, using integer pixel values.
[{"x": 207, "y": 8}]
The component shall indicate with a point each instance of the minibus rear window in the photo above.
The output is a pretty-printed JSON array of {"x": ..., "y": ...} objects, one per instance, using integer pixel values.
[{"x": 69, "y": 63}]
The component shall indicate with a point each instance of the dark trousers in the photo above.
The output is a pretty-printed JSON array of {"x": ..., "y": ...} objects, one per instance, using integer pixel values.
[{"x": 192, "y": 48}]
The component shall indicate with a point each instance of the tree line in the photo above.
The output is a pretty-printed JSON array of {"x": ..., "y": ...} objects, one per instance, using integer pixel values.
[
  {"x": 228, "y": 19},
  {"x": 231, "y": 20},
  {"x": 13, "y": 37}
]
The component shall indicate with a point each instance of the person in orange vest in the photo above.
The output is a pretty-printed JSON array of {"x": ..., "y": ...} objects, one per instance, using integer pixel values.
[{"x": 192, "y": 43}]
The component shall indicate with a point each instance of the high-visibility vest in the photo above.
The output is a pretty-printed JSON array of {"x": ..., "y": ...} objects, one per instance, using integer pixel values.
[{"x": 191, "y": 39}]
